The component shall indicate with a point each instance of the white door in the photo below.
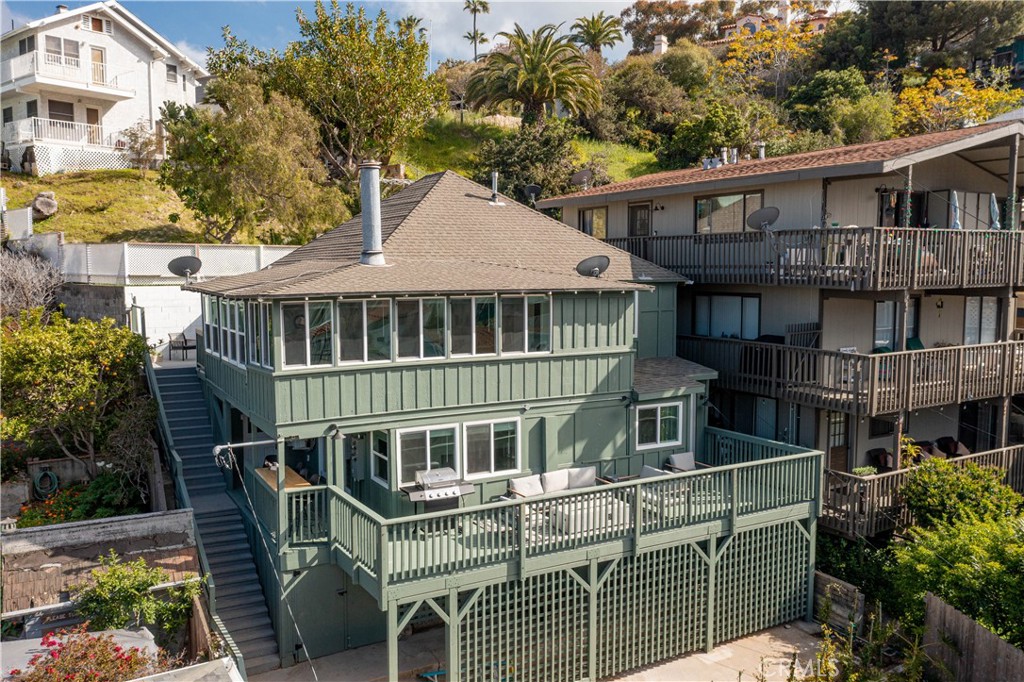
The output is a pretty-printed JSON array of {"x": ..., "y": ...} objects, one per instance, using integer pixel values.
[{"x": 764, "y": 418}]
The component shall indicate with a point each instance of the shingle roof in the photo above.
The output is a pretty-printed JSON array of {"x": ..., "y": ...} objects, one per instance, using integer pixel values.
[
  {"x": 868, "y": 152},
  {"x": 442, "y": 234},
  {"x": 658, "y": 375}
]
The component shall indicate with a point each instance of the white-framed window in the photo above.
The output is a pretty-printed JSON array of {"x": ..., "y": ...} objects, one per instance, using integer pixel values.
[
  {"x": 426, "y": 449},
  {"x": 62, "y": 50},
  {"x": 224, "y": 327},
  {"x": 421, "y": 324},
  {"x": 26, "y": 45},
  {"x": 97, "y": 24},
  {"x": 172, "y": 73},
  {"x": 308, "y": 329},
  {"x": 491, "y": 448},
  {"x": 472, "y": 321},
  {"x": 258, "y": 323},
  {"x": 364, "y": 331},
  {"x": 594, "y": 221},
  {"x": 726, "y": 212},
  {"x": 380, "y": 462},
  {"x": 659, "y": 426},
  {"x": 981, "y": 319},
  {"x": 525, "y": 324}
]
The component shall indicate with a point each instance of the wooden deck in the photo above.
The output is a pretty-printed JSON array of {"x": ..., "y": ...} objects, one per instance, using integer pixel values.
[
  {"x": 864, "y": 385},
  {"x": 864, "y": 506},
  {"x": 751, "y": 482},
  {"x": 858, "y": 259}
]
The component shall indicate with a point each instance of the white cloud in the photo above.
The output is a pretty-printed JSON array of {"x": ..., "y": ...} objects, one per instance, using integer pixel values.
[{"x": 193, "y": 52}]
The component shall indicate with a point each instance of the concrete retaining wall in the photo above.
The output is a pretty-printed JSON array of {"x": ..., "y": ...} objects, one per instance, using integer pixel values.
[{"x": 93, "y": 302}]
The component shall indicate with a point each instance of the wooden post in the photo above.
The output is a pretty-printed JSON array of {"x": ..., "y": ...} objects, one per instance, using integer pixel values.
[
  {"x": 1011, "y": 185},
  {"x": 453, "y": 637},
  {"x": 908, "y": 187},
  {"x": 282, "y": 500},
  {"x": 392, "y": 617},
  {"x": 812, "y": 532},
  {"x": 712, "y": 567},
  {"x": 592, "y": 620}
]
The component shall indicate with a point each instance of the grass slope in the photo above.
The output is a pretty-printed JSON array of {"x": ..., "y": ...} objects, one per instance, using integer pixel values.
[{"x": 106, "y": 206}]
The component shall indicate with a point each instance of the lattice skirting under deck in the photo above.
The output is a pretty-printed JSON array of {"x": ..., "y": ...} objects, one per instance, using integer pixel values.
[{"x": 55, "y": 158}]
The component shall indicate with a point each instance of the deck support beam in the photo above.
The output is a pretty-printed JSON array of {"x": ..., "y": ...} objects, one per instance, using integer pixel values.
[
  {"x": 812, "y": 532},
  {"x": 392, "y": 635},
  {"x": 1011, "y": 185},
  {"x": 712, "y": 566}
]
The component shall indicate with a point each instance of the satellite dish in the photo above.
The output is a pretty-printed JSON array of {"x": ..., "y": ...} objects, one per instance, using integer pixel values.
[
  {"x": 593, "y": 266},
  {"x": 185, "y": 266},
  {"x": 532, "y": 191},
  {"x": 582, "y": 179},
  {"x": 763, "y": 218}
]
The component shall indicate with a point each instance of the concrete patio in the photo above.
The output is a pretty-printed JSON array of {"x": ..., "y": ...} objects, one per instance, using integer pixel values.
[{"x": 740, "y": 659}]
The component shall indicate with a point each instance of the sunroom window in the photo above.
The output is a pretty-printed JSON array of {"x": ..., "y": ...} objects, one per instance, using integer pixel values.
[
  {"x": 659, "y": 425},
  {"x": 308, "y": 333},
  {"x": 525, "y": 324},
  {"x": 472, "y": 323}
]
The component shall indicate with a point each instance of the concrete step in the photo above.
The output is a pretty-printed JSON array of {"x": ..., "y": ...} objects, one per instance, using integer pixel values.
[
  {"x": 176, "y": 395},
  {"x": 262, "y": 664},
  {"x": 258, "y": 647},
  {"x": 177, "y": 381},
  {"x": 175, "y": 371}
]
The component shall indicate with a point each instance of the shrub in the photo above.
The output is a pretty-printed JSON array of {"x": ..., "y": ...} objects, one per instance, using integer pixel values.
[
  {"x": 59, "y": 508},
  {"x": 120, "y": 596},
  {"x": 939, "y": 491},
  {"x": 78, "y": 656},
  {"x": 105, "y": 496}
]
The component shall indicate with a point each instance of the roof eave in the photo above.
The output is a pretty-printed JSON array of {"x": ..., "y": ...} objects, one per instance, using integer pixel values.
[{"x": 1009, "y": 129}]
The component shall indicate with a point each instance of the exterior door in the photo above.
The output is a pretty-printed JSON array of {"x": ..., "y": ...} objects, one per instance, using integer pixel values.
[
  {"x": 640, "y": 220},
  {"x": 92, "y": 117},
  {"x": 99, "y": 66},
  {"x": 838, "y": 441},
  {"x": 764, "y": 418}
]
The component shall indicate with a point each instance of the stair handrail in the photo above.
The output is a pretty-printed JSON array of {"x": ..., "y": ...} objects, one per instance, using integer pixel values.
[{"x": 181, "y": 492}]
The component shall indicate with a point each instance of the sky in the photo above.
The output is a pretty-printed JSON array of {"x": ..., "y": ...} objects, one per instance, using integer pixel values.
[{"x": 193, "y": 26}]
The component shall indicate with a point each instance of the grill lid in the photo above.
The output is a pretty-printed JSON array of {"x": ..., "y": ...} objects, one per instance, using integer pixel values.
[{"x": 436, "y": 478}]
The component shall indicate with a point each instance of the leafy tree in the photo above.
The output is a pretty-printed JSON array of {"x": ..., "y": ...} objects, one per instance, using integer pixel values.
[
  {"x": 237, "y": 57},
  {"x": 798, "y": 142},
  {"x": 950, "y": 99},
  {"x": 251, "y": 166},
  {"x": 542, "y": 154},
  {"x": 597, "y": 31},
  {"x": 536, "y": 70},
  {"x": 645, "y": 19},
  {"x": 769, "y": 59},
  {"x": 366, "y": 86},
  {"x": 868, "y": 119},
  {"x": 639, "y": 103},
  {"x": 455, "y": 74},
  {"x": 812, "y": 103},
  {"x": 141, "y": 146},
  {"x": 476, "y": 7},
  {"x": 28, "y": 281},
  {"x": 939, "y": 491},
  {"x": 721, "y": 126},
  {"x": 973, "y": 564},
  {"x": 687, "y": 65},
  {"x": 411, "y": 25},
  {"x": 477, "y": 38},
  {"x": 69, "y": 379}
]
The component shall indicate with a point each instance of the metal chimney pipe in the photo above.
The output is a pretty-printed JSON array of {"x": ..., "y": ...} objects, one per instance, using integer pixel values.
[
  {"x": 369, "y": 190},
  {"x": 494, "y": 186},
  {"x": 725, "y": 155},
  {"x": 735, "y": 155},
  {"x": 760, "y": 150}
]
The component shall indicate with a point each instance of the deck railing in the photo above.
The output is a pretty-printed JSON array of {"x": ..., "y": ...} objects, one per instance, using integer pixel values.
[
  {"x": 862, "y": 384},
  {"x": 66, "y": 132},
  {"x": 63, "y": 67},
  {"x": 624, "y": 515},
  {"x": 861, "y": 258},
  {"x": 864, "y": 506}
]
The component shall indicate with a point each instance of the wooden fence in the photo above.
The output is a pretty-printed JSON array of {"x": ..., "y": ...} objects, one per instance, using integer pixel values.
[
  {"x": 864, "y": 506},
  {"x": 962, "y": 650},
  {"x": 844, "y": 602}
]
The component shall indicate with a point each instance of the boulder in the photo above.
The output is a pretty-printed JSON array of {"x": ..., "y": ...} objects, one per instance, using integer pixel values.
[{"x": 43, "y": 206}]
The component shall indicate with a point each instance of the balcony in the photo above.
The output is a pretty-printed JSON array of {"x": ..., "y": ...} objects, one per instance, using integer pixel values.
[
  {"x": 864, "y": 385},
  {"x": 857, "y": 259},
  {"x": 32, "y": 130},
  {"x": 36, "y": 72},
  {"x": 751, "y": 483},
  {"x": 864, "y": 506}
]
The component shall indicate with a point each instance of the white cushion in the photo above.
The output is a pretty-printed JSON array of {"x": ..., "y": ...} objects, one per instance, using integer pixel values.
[
  {"x": 527, "y": 486},
  {"x": 651, "y": 472},
  {"x": 683, "y": 461},
  {"x": 582, "y": 477},
  {"x": 555, "y": 481}
]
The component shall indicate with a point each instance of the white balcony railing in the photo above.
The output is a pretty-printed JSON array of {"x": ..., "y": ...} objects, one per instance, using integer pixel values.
[
  {"x": 30, "y": 130},
  {"x": 71, "y": 69}
]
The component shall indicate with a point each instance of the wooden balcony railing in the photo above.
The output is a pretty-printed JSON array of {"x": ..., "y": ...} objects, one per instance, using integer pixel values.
[
  {"x": 861, "y": 258},
  {"x": 864, "y": 506},
  {"x": 865, "y": 385},
  {"x": 752, "y": 482}
]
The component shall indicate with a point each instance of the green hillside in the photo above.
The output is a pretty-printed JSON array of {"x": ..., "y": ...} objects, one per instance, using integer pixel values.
[
  {"x": 106, "y": 206},
  {"x": 121, "y": 205}
]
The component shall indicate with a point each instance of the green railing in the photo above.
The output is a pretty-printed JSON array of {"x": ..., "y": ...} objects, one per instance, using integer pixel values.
[
  {"x": 184, "y": 502},
  {"x": 864, "y": 506},
  {"x": 623, "y": 516}
]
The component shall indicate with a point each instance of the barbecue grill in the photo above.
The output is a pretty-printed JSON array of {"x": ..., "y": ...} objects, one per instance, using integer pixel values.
[{"x": 438, "y": 489}]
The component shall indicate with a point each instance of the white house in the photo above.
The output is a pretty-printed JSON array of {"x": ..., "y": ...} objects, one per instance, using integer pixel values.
[{"x": 71, "y": 83}]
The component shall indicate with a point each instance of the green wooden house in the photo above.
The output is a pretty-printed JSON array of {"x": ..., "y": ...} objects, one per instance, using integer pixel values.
[{"x": 447, "y": 333}]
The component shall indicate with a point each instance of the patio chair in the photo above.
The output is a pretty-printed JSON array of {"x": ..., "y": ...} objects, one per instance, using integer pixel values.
[
  {"x": 182, "y": 343},
  {"x": 683, "y": 461}
]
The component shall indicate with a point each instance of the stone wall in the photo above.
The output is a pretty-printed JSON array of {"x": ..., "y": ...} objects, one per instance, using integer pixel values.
[
  {"x": 41, "y": 564},
  {"x": 93, "y": 301}
]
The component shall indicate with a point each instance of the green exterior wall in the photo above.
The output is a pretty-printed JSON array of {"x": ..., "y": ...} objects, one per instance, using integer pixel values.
[{"x": 657, "y": 325}]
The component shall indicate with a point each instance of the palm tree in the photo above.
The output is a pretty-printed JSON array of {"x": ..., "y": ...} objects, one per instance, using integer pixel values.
[
  {"x": 476, "y": 7},
  {"x": 536, "y": 69},
  {"x": 475, "y": 37},
  {"x": 597, "y": 31},
  {"x": 411, "y": 25}
]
